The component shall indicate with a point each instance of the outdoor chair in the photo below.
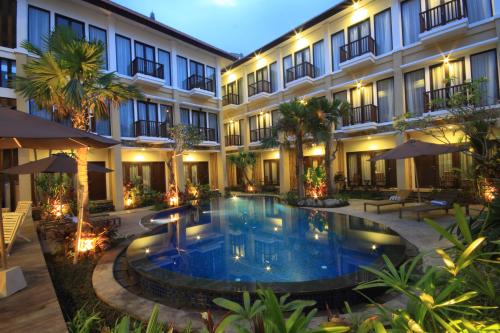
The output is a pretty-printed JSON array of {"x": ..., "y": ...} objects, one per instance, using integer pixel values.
[
  {"x": 440, "y": 201},
  {"x": 11, "y": 224},
  {"x": 400, "y": 199},
  {"x": 23, "y": 207}
]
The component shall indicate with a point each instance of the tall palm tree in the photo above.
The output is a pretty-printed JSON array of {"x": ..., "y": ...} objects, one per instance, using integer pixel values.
[
  {"x": 67, "y": 78},
  {"x": 243, "y": 160},
  {"x": 330, "y": 113}
]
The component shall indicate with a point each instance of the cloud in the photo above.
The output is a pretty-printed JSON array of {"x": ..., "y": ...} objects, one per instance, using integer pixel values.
[{"x": 224, "y": 3}]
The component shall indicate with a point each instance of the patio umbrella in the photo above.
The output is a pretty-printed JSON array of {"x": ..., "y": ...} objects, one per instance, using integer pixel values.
[
  {"x": 57, "y": 163},
  {"x": 414, "y": 148},
  {"x": 21, "y": 130}
]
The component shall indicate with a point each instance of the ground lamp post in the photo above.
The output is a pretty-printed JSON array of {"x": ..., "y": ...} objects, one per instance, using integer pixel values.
[{"x": 21, "y": 130}]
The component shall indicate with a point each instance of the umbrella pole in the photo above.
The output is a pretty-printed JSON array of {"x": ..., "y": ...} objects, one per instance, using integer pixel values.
[
  {"x": 416, "y": 180},
  {"x": 2, "y": 236}
]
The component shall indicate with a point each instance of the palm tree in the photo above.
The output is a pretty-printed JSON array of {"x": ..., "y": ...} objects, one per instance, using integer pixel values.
[
  {"x": 295, "y": 123},
  {"x": 67, "y": 78},
  {"x": 330, "y": 113},
  {"x": 243, "y": 160}
]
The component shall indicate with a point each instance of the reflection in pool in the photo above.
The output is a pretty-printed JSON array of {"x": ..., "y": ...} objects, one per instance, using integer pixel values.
[{"x": 260, "y": 240}]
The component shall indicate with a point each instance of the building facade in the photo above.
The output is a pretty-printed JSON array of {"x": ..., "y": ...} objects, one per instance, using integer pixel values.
[{"x": 385, "y": 57}]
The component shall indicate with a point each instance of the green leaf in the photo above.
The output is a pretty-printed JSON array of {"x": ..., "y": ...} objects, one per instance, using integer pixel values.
[
  {"x": 462, "y": 223},
  {"x": 443, "y": 232}
]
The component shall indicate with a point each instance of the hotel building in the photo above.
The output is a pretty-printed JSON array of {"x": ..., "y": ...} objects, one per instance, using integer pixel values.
[{"x": 384, "y": 57}]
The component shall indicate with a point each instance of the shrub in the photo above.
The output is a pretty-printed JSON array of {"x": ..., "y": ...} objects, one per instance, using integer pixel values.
[{"x": 291, "y": 198}]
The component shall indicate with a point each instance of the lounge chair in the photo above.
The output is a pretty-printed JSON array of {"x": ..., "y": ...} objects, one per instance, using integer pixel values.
[
  {"x": 11, "y": 224},
  {"x": 23, "y": 207},
  {"x": 446, "y": 198},
  {"x": 402, "y": 199}
]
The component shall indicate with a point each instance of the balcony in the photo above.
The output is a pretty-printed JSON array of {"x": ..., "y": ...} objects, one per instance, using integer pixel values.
[
  {"x": 361, "y": 117},
  {"x": 259, "y": 90},
  {"x": 201, "y": 87},
  {"x": 230, "y": 100},
  {"x": 300, "y": 75},
  {"x": 233, "y": 140},
  {"x": 359, "y": 53},
  {"x": 444, "y": 21},
  {"x": 439, "y": 99},
  {"x": 147, "y": 72},
  {"x": 208, "y": 134},
  {"x": 257, "y": 135},
  {"x": 151, "y": 131}
]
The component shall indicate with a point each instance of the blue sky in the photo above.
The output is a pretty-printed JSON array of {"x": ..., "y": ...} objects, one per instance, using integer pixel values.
[{"x": 234, "y": 25}]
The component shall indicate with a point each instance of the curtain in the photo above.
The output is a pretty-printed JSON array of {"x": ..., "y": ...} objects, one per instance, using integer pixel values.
[
  {"x": 445, "y": 162},
  {"x": 319, "y": 57},
  {"x": 185, "y": 116},
  {"x": 210, "y": 73},
  {"x": 38, "y": 26},
  {"x": 103, "y": 125},
  {"x": 385, "y": 98},
  {"x": 273, "y": 76},
  {"x": 127, "y": 118},
  {"x": 438, "y": 77},
  {"x": 478, "y": 10},
  {"x": 456, "y": 72},
  {"x": 36, "y": 111},
  {"x": 166, "y": 114},
  {"x": 287, "y": 63},
  {"x": 484, "y": 66},
  {"x": 383, "y": 32},
  {"x": 356, "y": 97},
  {"x": 410, "y": 10},
  {"x": 164, "y": 59},
  {"x": 414, "y": 91},
  {"x": 337, "y": 43},
  {"x": 99, "y": 35},
  {"x": 213, "y": 123},
  {"x": 134, "y": 172},
  {"x": 182, "y": 72},
  {"x": 146, "y": 175},
  {"x": 123, "y": 55},
  {"x": 352, "y": 165},
  {"x": 366, "y": 168}
]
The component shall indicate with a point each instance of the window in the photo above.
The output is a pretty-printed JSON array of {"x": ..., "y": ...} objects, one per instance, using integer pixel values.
[
  {"x": 164, "y": 59},
  {"x": 101, "y": 124},
  {"x": 213, "y": 125},
  {"x": 273, "y": 76},
  {"x": 185, "y": 119},
  {"x": 361, "y": 171},
  {"x": 261, "y": 74},
  {"x": 385, "y": 99},
  {"x": 38, "y": 26},
  {"x": 340, "y": 96},
  {"x": 271, "y": 172},
  {"x": 337, "y": 42},
  {"x": 414, "y": 92},
  {"x": 251, "y": 81},
  {"x": 196, "y": 172},
  {"x": 123, "y": 55},
  {"x": 410, "y": 11},
  {"x": 478, "y": 10},
  {"x": 76, "y": 26},
  {"x": 144, "y": 51},
  {"x": 7, "y": 72},
  {"x": 275, "y": 117},
  {"x": 210, "y": 73},
  {"x": 303, "y": 55},
  {"x": 8, "y": 9},
  {"x": 35, "y": 110},
  {"x": 362, "y": 96},
  {"x": 196, "y": 68},
  {"x": 182, "y": 72},
  {"x": 152, "y": 174},
  {"x": 147, "y": 111},
  {"x": 166, "y": 115},
  {"x": 484, "y": 66},
  {"x": 99, "y": 35},
  {"x": 446, "y": 75},
  {"x": 198, "y": 119},
  {"x": 287, "y": 64},
  {"x": 127, "y": 119},
  {"x": 240, "y": 90},
  {"x": 319, "y": 58},
  {"x": 383, "y": 32},
  {"x": 260, "y": 126}
]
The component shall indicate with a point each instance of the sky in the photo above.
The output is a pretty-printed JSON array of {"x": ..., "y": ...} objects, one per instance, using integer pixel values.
[{"x": 238, "y": 26}]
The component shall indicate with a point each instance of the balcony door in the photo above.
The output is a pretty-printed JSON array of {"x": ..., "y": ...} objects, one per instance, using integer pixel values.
[
  {"x": 355, "y": 33},
  {"x": 362, "y": 96},
  {"x": 271, "y": 172},
  {"x": 147, "y": 111},
  {"x": 199, "y": 119},
  {"x": 446, "y": 75},
  {"x": 232, "y": 88},
  {"x": 262, "y": 80},
  {"x": 144, "y": 51},
  {"x": 302, "y": 56},
  {"x": 196, "y": 68}
]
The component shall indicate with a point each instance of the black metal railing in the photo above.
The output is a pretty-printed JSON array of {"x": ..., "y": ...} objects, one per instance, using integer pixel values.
[
  {"x": 261, "y": 86},
  {"x": 147, "y": 67},
  {"x": 299, "y": 71},
  {"x": 443, "y": 14},
  {"x": 439, "y": 99},
  {"x": 200, "y": 82},
  {"x": 151, "y": 128},
  {"x": 230, "y": 99},
  {"x": 233, "y": 140},
  {"x": 357, "y": 48},
  {"x": 260, "y": 133},
  {"x": 360, "y": 115},
  {"x": 208, "y": 134}
]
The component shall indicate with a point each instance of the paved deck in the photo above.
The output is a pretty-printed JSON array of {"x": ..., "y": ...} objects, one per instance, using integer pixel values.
[{"x": 35, "y": 308}]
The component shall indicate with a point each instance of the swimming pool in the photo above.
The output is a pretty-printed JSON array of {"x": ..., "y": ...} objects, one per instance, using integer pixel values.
[{"x": 228, "y": 245}]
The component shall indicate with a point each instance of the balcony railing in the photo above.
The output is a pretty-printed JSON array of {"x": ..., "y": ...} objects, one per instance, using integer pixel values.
[
  {"x": 258, "y": 87},
  {"x": 260, "y": 133},
  {"x": 151, "y": 128},
  {"x": 233, "y": 140},
  {"x": 230, "y": 99},
  {"x": 147, "y": 67},
  {"x": 443, "y": 14},
  {"x": 439, "y": 99},
  {"x": 208, "y": 134},
  {"x": 200, "y": 82},
  {"x": 357, "y": 48},
  {"x": 299, "y": 71},
  {"x": 360, "y": 115}
]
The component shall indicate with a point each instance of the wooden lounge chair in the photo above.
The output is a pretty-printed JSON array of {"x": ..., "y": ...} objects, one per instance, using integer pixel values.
[
  {"x": 11, "y": 224},
  {"x": 403, "y": 197},
  {"x": 449, "y": 197},
  {"x": 23, "y": 207}
]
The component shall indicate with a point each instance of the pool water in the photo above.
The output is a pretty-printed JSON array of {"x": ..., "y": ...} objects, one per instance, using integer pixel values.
[{"x": 261, "y": 240}]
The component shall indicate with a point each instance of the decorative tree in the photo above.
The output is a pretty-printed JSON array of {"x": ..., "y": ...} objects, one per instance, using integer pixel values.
[
  {"x": 67, "y": 78},
  {"x": 244, "y": 160}
]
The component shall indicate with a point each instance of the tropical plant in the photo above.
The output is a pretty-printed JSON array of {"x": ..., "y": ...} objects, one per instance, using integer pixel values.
[
  {"x": 67, "y": 78},
  {"x": 460, "y": 296},
  {"x": 315, "y": 181},
  {"x": 243, "y": 161}
]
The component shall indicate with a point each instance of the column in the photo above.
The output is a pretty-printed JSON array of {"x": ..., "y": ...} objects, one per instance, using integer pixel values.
[
  {"x": 328, "y": 50},
  {"x": 173, "y": 64},
  {"x": 112, "y": 44},
  {"x": 218, "y": 80},
  {"x": 280, "y": 70},
  {"x": 221, "y": 157},
  {"x": 397, "y": 37},
  {"x": 284, "y": 170},
  {"x": 403, "y": 172},
  {"x": 115, "y": 161},
  {"x": 245, "y": 133},
  {"x": 179, "y": 173}
]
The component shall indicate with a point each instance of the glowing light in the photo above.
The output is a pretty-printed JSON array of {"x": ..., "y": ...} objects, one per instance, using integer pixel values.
[
  {"x": 231, "y": 77},
  {"x": 355, "y": 5},
  {"x": 143, "y": 149},
  {"x": 234, "y": 197},
  {"x": 87, "y": 244},
  {"x": 316, "y": 236},
  {"x": 139, "y": 157},
  {"x": 358, "y": 85},
  {"x": 188, "y": 158},
  {"x": 268, "y": 268},
  {"x": 374, "y": 247},
  {"x": 173, "y": 200},
  {"x": 315, "y": 195},
  {"x": 198, "y": 237},
  {"x": 359, "y": 13},
  {"x": 250, "y": 188},
  {"x": 303, "y": 101},
  {"x": 369, "y": 137},
  {"x": 237, "y": 258},
  {"x": 302, "y": 43},
  {"x": 275, "y": 228},
  {"x": 147, "y": 250},
  {"x": 261, "y": 63},
  {"x": 446, "y": 60},
  {"x": 318, "y": 151},
  {"x": 324, "y": 267},
  {"x": 129, "y": 202},
  {"x": 59, "y": 209}
]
